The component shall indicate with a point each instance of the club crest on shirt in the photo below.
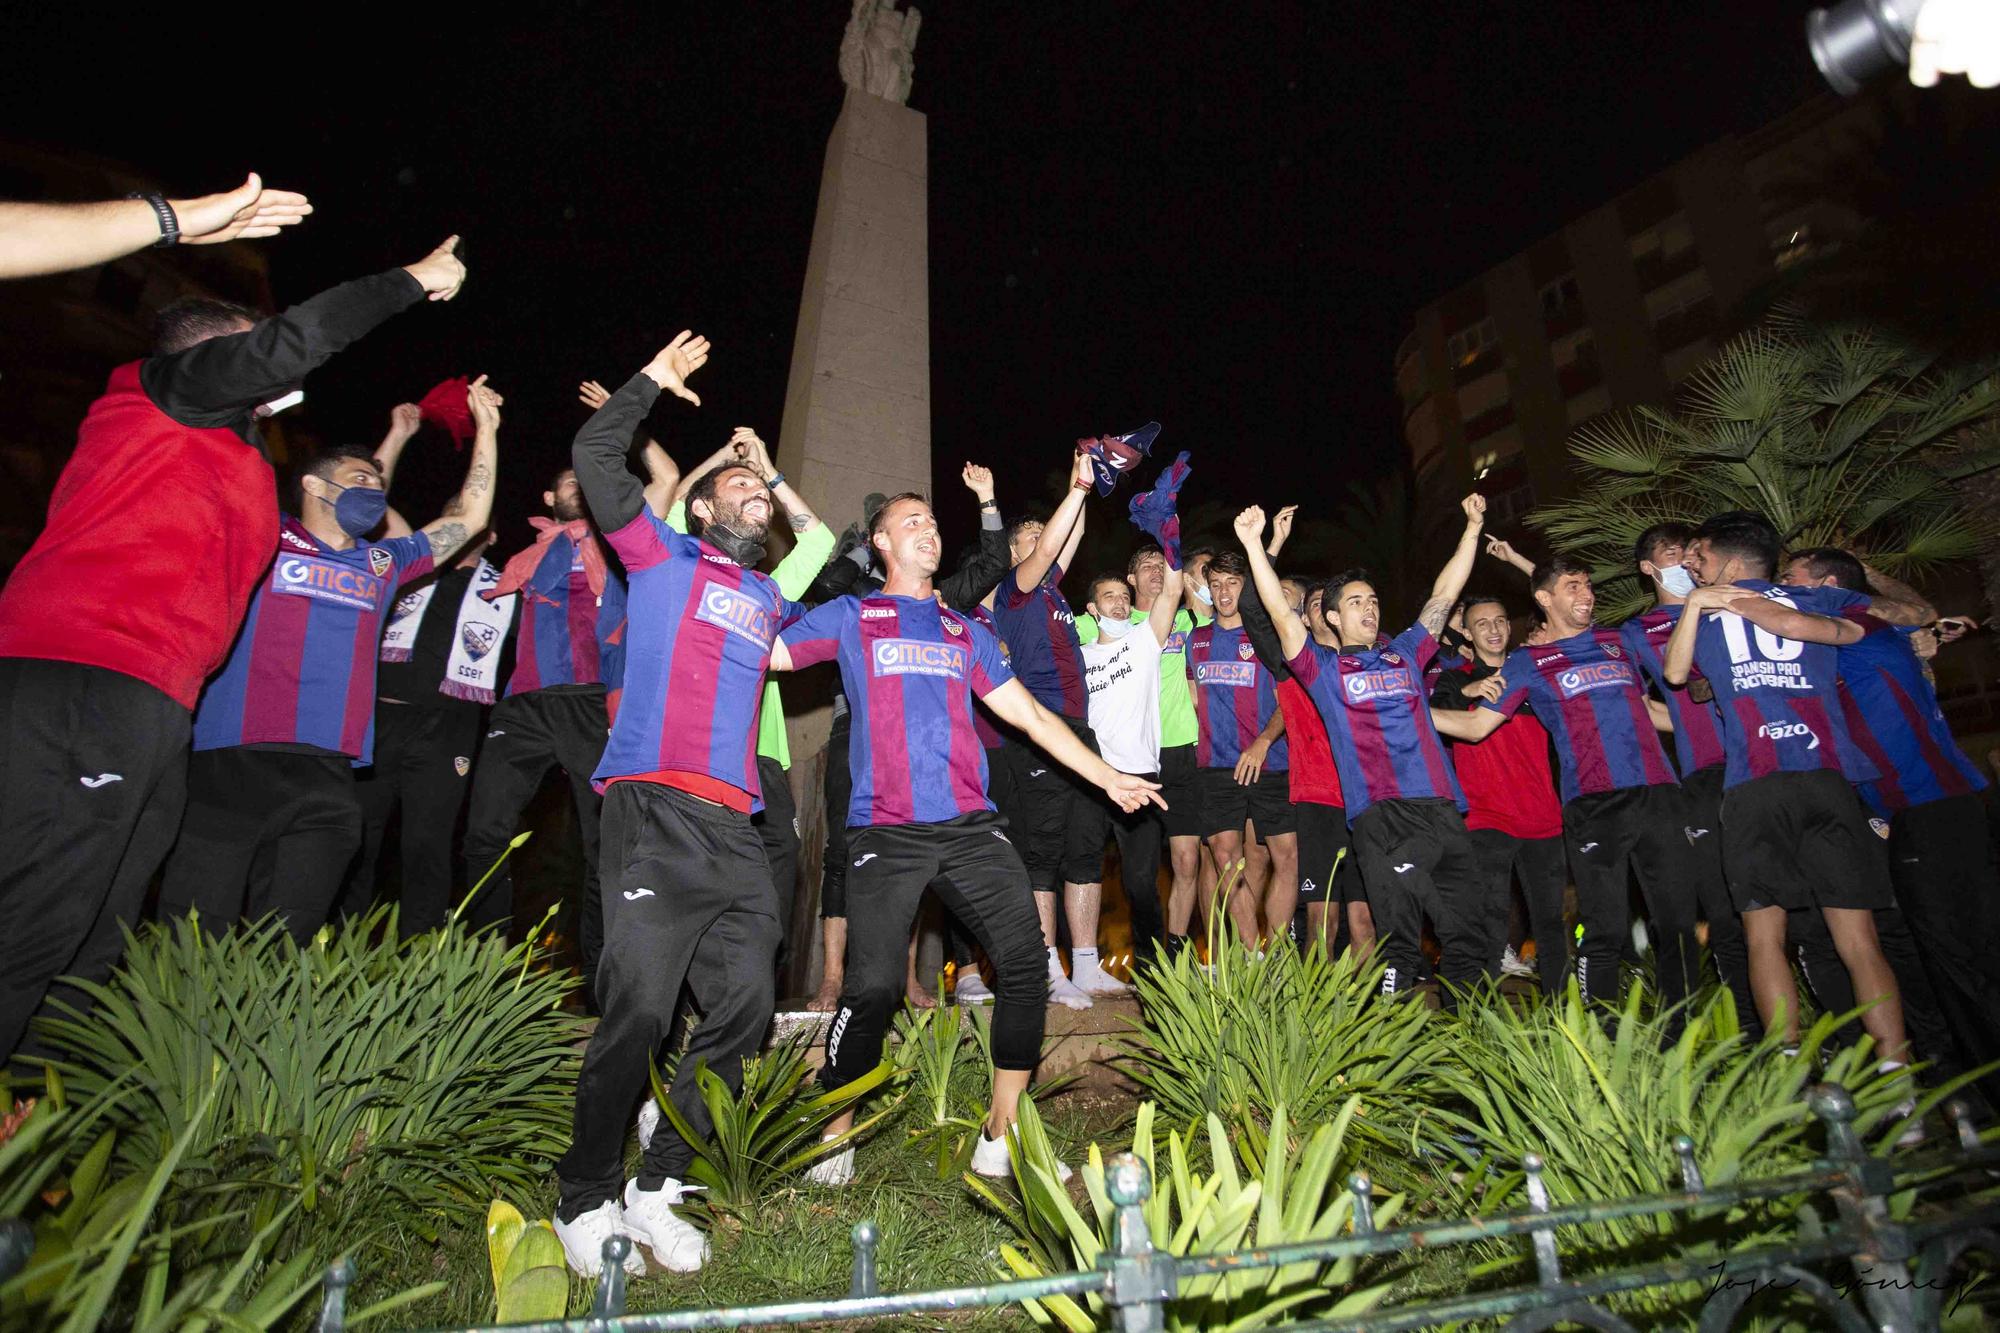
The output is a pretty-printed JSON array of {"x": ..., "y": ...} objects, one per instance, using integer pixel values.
[
  {"x": 1880, "y": 826},
  {"x": 1613, "y": 650},
  {"x": 479, "y": 640},
  {"x": 1393, "y": 659},
  {"x": 1245, "y": 651},
  {"x": 380, "y": 561},
  {"x": 462, "y": 764},
  {"x": 951, "y": 626},
  {"x": 407, "y": 603}
]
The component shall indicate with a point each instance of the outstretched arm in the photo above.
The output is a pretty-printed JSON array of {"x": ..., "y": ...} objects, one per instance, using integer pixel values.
[
  {"x": 1791, "y": 623},
  {"x": 1056, "y": 532},
  {"x": 405, "y": 419},
  {"x": 983, "y": 569},
  {"x": 1291, "y": 630},
  {"x": 1472, "y": 725},
  {"x": 1897, "y": 602},
  {"x": 468, "y": 511},
  {"x": 37, "y": 239},
  {"x": 752, "y": 451},
  {"x": 663, "y": 475},
  {"x": 1160, "y": 620},
  {"x": 1451, "y": 579},
  {"x": 1012, "y": 703},
  {"x": 1505, "y": 552},
  {"x": 614, "y": 495}
]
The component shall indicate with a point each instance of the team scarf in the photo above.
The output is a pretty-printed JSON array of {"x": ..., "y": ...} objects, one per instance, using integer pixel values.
[
  {"x": 530, "y": 567},
  {"x": 472, "y": 671},
  {"x": 1112, "y": 456}
]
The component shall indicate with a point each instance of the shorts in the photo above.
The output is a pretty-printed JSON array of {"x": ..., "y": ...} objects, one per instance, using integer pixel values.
[
  {"x": 1180, "y": 788},
  {"x": 1059, "y": 822},
  {"x": 1225, "y": 804},
  {"x": 1797, "y": 840},
  {"x": 1326, "y": 857}
]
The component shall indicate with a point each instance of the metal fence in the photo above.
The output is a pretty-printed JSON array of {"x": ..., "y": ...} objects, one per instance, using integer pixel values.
[{"x": 1905, "y": 1274}]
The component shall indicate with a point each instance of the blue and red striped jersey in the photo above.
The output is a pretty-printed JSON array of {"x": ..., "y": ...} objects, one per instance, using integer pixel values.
[
  {"x": 1893, "y": 714},
  {"x": 1378, "y": 718},
  {"x": 302, "y": 671},
  {"x": 911, "y": 670},
  {"x": 698, "y": 637},
  {"x": 989, "y": 731},
  {"x": 1588, "y": 693},
  {"x": 1234, "y": 697},
  {"x": 567, "y": 635},
  {"x": 1697, "y": 726},
  {"x": 1042, "y": 646},
  {"x": 1780, "y": 698}
]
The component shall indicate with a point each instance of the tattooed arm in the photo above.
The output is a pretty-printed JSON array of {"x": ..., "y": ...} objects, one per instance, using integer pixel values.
[
  {"x": 468, "y": 511},
  {"x": 758, "y": 455},
  {"x": 1451, "y": 579}
]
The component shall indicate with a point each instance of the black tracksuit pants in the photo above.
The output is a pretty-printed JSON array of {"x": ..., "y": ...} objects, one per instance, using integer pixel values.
[
  {"x": 267, "y": 831},
  {"x": 687, "y": 900},
  {"x": 422, "y": 768},
  {"x": 778, "y": 828},
  {"x": 1701, "y": 790},
  {"x": 526, "y": 735},
  {"x": 1543, "y": 875},
  {"x": 1640, "y": 830},
  {"x": 93, "y": 777}
]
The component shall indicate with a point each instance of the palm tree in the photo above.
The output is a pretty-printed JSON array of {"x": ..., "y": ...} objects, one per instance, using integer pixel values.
[{"x": 1841, "y": 434}]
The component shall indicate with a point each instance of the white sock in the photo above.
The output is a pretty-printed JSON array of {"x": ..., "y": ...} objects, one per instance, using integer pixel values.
[
  {"x": 1055, "y": 962},
  {"x": 1081, "y": 959}
]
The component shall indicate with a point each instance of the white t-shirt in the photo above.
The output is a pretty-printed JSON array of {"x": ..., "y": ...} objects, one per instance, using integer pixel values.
[{"x": 1123, "y": 678}]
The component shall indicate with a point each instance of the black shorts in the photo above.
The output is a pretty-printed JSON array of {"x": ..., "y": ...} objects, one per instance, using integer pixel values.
[
  {"x": 1226, "y": 804},
  {"x": 1059, "y": 822},
  {"x": 1797, "y": 840},
  {"x": 1180, "y": 788},
  {"x": 1326, "y": 858}
]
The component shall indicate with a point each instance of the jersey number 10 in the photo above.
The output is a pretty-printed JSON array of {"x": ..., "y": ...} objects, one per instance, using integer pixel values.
[{"x": 1770, "y": 647}]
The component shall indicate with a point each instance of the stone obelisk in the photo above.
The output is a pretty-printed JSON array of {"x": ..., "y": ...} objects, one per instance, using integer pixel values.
[{"x": 858, "y": 403}]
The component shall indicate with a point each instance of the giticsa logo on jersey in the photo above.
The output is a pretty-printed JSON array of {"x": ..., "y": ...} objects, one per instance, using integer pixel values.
[
  {"x": 915, "y": 657},
  {"x": 1784, "y": 731},
  {"x": 737, "y": 612}
]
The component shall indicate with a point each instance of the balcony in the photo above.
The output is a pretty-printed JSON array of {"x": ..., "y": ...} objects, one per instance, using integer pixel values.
[
  {"x": 1489, "y": 421},
  {"x": 1482, "y": 362},
  {"x": 1656, "y": 269},
  {"x": 1579, "y": 376}
]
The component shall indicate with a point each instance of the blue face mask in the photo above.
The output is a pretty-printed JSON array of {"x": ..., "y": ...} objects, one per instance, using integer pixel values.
[
  {"x": 1675, "y": 579},
  {"x": 359, "y": 509},
  {"x": 1203, "y": 595}
]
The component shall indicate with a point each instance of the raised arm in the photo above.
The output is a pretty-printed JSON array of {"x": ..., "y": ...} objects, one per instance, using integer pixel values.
[
  {"x": 1281, "y": 530},
  {"x": 37, "y": 238},
  {"x": 614, "y": 495},
  {"x": 1263, "y": 635},
  {"x": 663, "y": 475},
  {"x": 965, "y": 586},
  {"x": 1013, "y": 704},
  {"x": 405, "y": 419},
  {"x": 468, "y": 511},
  {"x": 752, "y": 450},
  {"x": 215, "y": 381},
  {"x": 1056, "y": 533},
  {"x": 1160, "y": 620},
  {"x": 1291, "y": 630},
  {"x": 1506, "y": 554},
  {"x": 1897, "y": 602},
  {"x": 1451, "y": 579}
]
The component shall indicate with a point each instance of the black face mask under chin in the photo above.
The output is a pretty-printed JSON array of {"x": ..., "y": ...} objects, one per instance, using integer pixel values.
[{"x": 745, "y": 549}]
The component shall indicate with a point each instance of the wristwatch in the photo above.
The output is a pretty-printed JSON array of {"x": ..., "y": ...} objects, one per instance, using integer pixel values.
[{"x": 170, "y": 226}]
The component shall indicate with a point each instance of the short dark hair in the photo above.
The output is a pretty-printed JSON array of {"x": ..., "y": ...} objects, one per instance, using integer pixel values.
[
  {"x": 323, "y": 463},
  {"x": 181, "y": 324},
  {"x": 1024, "y": 520},
  {"x": 1342, "y": 578},
  {"x": 1745, "y": 534},
  {"x": 704, "y": 489},
  {"x": 1555, "y": 567},
  {"x": 556, "y": 480},
  {"x": 1842, "y": 566},
  {"x": 1673, "y": 532},
  {"x": 1229, "y": 562},
  {"x": 1140, "y": 552},
  {"x": 1189, "y": 554},
  {"x": 1105, "y": 576},
  {"x": 875, "y": 519},
  {"x": 1481, "y": 599}
]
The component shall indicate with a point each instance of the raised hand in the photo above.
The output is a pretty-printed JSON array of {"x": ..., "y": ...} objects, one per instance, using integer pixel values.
[
  {"x": 592, "y": 394},
  {"x": 1084, "y": 476},
  {"x": 752, "y": 450},
  {"x": 979, "y": 481},
  {"x": 485, "y": 404},
  {"x": 405, "y": 420},
  {"x": 1281, "y": 524},
  {"x": 441, "y": 271},
  {"x": 1474, "y": 506},
  {"x": 1501, "y": 550},
  {"x": 247, "y": 211},
  {"x": 1250, "y": 526},
  {"x": 672, "y": 365}
]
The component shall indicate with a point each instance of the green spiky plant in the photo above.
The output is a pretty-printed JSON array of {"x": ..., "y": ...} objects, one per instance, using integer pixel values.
[
  {"x": 1842, "y": 435},
  {"x": 1294, "y": 1028},
  {"x": 1295, "y": 1196}
]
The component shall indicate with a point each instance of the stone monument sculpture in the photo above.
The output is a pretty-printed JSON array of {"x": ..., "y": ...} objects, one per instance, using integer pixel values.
[{"x": 878, "y": 53}]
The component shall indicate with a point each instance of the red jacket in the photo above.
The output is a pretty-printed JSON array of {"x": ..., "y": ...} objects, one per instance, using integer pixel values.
[
  {"x": 1314, "y": 778},
  {"x": 1507, "y": 780},
  {"x": 157, "y": 533}
]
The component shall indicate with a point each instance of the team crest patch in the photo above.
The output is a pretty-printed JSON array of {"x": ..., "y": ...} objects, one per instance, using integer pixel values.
[
  {"x": 380, "y": 561},
  {"x": 1393, "y": 659},
  {"x": 951, "y": 626},
  {"x": 462, "y": 764},
  {"x": 407, "y": 603},
  {"x": 1245, "y": 651},
  {"x": 1613, "y": 650},
  {"x": 478, "y": 639},
  {"x": 1881, "y": 827}
]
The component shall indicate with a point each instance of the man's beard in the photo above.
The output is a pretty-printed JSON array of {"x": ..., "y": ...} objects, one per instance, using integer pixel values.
[
  {"x": 566, "y": 510},
  {"x": 741, "y": 539}
]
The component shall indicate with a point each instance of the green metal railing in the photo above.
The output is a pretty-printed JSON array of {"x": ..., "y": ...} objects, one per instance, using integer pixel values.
[{"x": 1903, "y": 1272}]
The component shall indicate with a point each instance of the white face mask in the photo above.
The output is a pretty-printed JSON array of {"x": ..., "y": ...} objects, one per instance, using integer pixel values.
[
  {"x": 1113, "y": 629},
  {"x": 1675, "y": 579},
  {"x": 1201, "y": 594}
]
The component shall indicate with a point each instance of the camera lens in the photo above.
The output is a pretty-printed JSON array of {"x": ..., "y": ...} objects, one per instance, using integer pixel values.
[{"x": 1857, "y": 40}]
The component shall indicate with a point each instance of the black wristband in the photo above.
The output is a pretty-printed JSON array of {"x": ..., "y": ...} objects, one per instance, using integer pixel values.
[
  {"x": 989, "y": 504},
  {"x": 170, "y": 226}
]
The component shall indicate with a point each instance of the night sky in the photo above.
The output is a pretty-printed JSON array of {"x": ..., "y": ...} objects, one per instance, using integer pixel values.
[{"x": 1217, "y": 216}]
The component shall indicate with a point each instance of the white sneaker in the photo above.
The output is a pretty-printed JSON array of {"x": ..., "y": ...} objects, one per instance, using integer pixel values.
[
  {"x": 991, "y": 1160},
  {"x": 834, "y": 1171},
  {"x": 1063, "y": 991},
  {"x": 651, "y": 1221},
  {"x": 1915, "y": 1134},
  {"x": 1512, "y": 966},
  {"x": 971, "y": 988},
  {"x": 1092, "y": 979},
  {"x": 583, "y": 1241},
  {"x": 649, "y": 1121}
]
